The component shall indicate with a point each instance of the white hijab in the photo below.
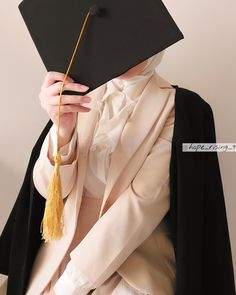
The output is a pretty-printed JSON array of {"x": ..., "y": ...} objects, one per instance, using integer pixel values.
[
  {"x": 115, "y": 107},
  {"x": 126, "y": 91}
]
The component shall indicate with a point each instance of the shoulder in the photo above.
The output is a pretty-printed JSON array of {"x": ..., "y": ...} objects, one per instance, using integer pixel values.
[
  {"x": 192, "y": 113},
  {"x": 191, "y": 100}
]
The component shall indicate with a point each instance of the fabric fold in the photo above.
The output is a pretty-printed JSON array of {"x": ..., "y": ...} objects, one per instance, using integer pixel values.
[{"x": 115, "y": 108}]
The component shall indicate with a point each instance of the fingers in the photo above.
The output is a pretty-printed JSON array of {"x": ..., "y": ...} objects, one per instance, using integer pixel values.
[
  {"x": 53, "y": 110},
  {"x": 51, "y": 77},
  {"x": 65, "y": 99},
  {"x": 55, "y": 88},
  {"x": 70, "y": 104}
]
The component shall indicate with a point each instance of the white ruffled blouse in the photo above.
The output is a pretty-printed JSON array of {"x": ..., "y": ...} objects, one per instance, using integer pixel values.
[{"x": 114, "y": 114}]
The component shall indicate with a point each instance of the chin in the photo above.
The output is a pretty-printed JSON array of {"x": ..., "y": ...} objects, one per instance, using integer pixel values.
[{"x": 124, "y": 77}]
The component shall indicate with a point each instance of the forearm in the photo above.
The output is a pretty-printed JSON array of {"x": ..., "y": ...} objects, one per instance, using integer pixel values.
[{"x": 67, "y": 146}]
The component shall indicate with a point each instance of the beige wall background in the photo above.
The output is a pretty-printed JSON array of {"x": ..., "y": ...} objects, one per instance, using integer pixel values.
[{"x": 204, "y": 62}]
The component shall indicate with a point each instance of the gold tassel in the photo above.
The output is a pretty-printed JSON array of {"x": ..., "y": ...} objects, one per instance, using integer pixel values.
[
  {"x": 53, "y": 215},
  {"x": 52, "y": 223}
]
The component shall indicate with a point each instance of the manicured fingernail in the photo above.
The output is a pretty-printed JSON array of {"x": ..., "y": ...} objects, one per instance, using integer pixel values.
[
  {"x": 70, "y": 79},
  {"x": 86, "y": 99},
  {"x": 84, "y": 87}
]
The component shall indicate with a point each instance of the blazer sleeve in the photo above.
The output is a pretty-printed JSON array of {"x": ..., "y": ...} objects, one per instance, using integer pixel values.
[
  {"x": 43, "y": 168},
  {"x": 126, "y": 224},
  {"x": 66, "y": 151}
]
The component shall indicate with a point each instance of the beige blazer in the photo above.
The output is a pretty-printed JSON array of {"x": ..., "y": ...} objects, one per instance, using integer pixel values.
[
  {"x": 130, "y": 236},
  {"x": 3, "y": 287}
]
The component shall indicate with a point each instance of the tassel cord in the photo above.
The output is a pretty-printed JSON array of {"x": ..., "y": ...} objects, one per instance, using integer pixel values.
[{"x": 52, "y": 223}]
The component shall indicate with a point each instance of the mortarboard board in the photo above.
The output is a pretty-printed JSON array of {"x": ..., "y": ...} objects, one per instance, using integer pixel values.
[
  {"x": 119, "y": 35},
  {"x": 95, "y": 41}
]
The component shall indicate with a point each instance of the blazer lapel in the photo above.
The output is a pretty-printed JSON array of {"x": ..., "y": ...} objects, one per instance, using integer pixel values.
[{"x": 146, "y": 112}]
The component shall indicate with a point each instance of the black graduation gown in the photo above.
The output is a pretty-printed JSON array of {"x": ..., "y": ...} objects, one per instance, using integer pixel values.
[{"x": 197, "y": 217}]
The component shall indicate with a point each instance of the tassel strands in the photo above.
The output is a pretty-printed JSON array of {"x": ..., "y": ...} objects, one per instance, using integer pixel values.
[
  {"x": 52, "y": 224},
  {"x": 53, "y": 215}
]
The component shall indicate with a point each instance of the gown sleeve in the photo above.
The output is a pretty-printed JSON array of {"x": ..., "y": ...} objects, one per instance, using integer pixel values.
[
  {"x": 43, "y": 168},
  {"x": 124, "y": 226}
]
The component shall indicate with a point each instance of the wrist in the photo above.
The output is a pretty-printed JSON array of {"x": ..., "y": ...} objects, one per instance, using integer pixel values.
[
  {"x": 65, "y": 137},
  {"x": 67, "y": 146}
]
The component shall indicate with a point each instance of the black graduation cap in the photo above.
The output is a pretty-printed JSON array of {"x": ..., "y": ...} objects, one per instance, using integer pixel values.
[
  {"x": 119, "y": 34},
  {"x": 93, "y": 42}
]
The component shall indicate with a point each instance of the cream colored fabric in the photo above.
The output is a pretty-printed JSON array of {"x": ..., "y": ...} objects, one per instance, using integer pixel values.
[
  {"x": 116, "y": 285},
  {"x": 158, "y": 166},
  {"x": 115, "y": 108},
  {"x": 66, "y": 151},
  {"x": 3, "y": 287}
]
